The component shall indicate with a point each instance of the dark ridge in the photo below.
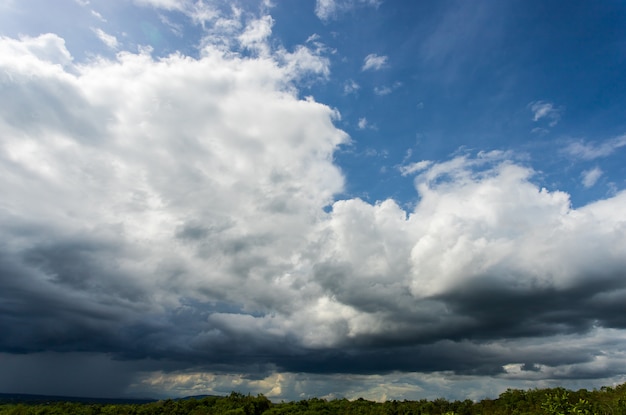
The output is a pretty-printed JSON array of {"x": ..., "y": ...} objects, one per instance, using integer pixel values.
[
  {"x": 39, "y": 399},
  {"x": 197, "y": 397}
]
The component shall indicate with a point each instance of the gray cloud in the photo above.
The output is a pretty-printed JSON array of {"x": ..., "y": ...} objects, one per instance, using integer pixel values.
[{"x": 169, "y": 216}]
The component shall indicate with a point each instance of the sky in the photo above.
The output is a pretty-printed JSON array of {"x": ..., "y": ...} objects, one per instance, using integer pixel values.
[{"x": 314, "y": 198}]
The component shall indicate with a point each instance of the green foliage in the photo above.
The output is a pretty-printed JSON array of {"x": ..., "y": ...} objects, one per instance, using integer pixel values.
[{"x": 557, "y": 401}]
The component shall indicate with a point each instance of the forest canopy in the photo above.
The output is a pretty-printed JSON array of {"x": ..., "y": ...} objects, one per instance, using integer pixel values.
[{"x": 606, "y": 400}]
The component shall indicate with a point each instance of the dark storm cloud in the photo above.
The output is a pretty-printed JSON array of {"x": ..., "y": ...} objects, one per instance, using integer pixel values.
[
  {"x": 63, "y": 297},
  {"x": 65, "y": 374},
  {"x": 41, "y": 314},
  {"x": 537, "y": 312},
  {"x": 208, "y": 335}
]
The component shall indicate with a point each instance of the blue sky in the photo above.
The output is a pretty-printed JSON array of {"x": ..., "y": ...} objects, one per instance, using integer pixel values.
[{"x": 316, "y": 198}]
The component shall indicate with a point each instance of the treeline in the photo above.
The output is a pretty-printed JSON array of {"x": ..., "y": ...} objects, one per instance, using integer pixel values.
[{"x": 607, "y": 400}]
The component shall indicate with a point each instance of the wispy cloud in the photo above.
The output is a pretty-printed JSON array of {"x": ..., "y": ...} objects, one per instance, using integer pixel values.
[
  {"x": 362, "y": 123},
  {"x": 179, "y": 5},
  {"x": 331, "y": 9},
  {"x": 382, "y": 90},
  {"x": 200, "y": 12},
  {"x": 176, "y": 28},
  {"x": 593, "y": 150},
  {"x": 350, "y": 87},
  {"x": 543, "y": 110},
  {"x": 374, "y": 62},
  {"x": 313, "y": 38},
  {"x": 460, "y": 38},
  {"x": 590, "y": 177},
  {"x": 386, "y": 90},
  {"x": 98, "y": 16},
  {"x": 107, "y": 39},
  {"x": 415, "y": 167}
]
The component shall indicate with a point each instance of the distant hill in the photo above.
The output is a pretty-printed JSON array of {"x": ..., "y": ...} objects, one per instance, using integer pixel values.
[
  {"x": 197, "y": 397},
  {"x": 38, "y": 399}
]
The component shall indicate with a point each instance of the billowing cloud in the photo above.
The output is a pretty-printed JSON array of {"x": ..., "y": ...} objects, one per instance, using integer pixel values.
[
  {"x": 153, "y": 173},
  {"x": 374, "y": 62},
  {"x": 185, "y": 211}
]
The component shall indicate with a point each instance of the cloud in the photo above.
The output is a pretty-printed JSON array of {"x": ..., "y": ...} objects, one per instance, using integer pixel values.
[
  {"x": 350, "y": 87},
  {"x": 143, "y": 165},
  {"x": 590, "y": 151},
  {"x": 325, "y": 9},
  {"x": 65, "y": 374},
  {"x": 175, "y": 28},
  {"x": 180, "y": 216},
  {"x": 331, "y": 9},
  {"x": 416, "y": 167},
  {"x": 256, "y": 34},
  {"x": 458, "y": 40},
  {"x": 362, "y": 123},
  {"x": 590, "y": 177},
  {"x": 107, "y": 39},
  {"x": 47, "y": 48},
  {"x": 178, "y": 5},
  {"x": 545, "y": 110},
  {"x": 200, "y": 12},
  {"x": 379, "y": 387},
  {"x": 374, "y": 62},
  {"x": 98, "y": 16},
  {"x": 313, "y": 38},
  {"x": 386, "y": 90}
]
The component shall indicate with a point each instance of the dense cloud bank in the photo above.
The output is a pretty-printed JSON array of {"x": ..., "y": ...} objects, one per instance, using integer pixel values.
[{"x": 184, "y": 210}]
